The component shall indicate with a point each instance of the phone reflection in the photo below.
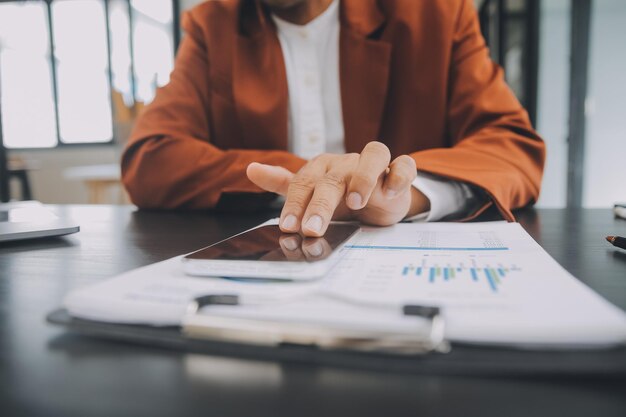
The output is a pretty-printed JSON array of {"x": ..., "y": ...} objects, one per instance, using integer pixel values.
[
  {"x": 295, "y": 248},
  {"x": 268, "y": 243}
]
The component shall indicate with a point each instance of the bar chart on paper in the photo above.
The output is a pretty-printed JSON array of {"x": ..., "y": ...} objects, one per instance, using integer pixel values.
[
  {"x": 462, "y": 263},
  {"x": 441, "y": 273}
]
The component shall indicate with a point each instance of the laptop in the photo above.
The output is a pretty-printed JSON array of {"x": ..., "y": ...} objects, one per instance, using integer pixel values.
[{"x": 31, "y": 219}]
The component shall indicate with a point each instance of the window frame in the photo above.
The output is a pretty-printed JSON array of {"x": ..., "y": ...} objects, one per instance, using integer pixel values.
[{"x": 175, "y": 4}]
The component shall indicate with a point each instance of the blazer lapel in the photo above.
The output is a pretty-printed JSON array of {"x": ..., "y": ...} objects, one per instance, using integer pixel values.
[
  {"x": 364, "y": 71},
  {"x": 259, "y": 81}
]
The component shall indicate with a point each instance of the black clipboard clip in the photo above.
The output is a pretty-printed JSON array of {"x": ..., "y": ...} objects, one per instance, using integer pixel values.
[{"x": 324, "y": 337}]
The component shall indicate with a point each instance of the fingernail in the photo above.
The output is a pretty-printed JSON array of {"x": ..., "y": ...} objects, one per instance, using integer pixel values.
[
  {"x": 315, "y": 249},
  {"x": 390, "y": 194},
  {"x": 355, "y": 201},
  {"x": 290, "y": 244},
  {"x": 289, "y": 222},
  {"x": 314, "y": 224}
]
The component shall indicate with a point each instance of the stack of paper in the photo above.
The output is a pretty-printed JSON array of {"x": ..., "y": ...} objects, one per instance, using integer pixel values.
[{"x": 494, "y": 283}]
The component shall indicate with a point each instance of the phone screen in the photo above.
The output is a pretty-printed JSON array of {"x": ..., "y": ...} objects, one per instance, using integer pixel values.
[{"x": 268, "y": 243}]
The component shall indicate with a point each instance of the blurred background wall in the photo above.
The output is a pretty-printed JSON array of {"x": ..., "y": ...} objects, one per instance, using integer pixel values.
[{"x": 89, "y": 112}]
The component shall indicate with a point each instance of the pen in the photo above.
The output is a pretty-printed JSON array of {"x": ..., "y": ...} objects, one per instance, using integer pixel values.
[{"x": 617, "y": 241}]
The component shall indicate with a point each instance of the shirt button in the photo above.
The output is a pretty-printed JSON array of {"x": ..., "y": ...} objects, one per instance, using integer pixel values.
[
  {"x": 314, "y": 138},
  {"x": 304, "y": 34}
]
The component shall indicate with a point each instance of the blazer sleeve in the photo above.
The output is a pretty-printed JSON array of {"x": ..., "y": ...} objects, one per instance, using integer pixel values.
[
  {"x": 494, "y": 146},
  {"x": 170, "y": 161}
]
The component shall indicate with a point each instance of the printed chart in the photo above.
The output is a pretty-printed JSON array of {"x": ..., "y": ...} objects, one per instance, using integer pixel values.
[
  {"x": 434, "y": 241},
  {"x": 492, "y": 276}
]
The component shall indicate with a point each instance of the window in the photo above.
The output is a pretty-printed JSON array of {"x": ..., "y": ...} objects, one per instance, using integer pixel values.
[
  {"x": 80, "y": 55},
  {"x": 70, "y": 70},
  {"x": 579, "y": 96},
  {"x": 152, "y": 35},
  {"x": 605, "y": 144},
  {"x": 553, "y": 98},
  {"x": 25, "y": 77},
  {"x": 510, "y": 28},
  {"x": 603, "y": 147}
]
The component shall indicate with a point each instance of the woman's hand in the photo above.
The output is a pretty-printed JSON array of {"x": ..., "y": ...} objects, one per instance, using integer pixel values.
[{"x": 364, "y": 186}]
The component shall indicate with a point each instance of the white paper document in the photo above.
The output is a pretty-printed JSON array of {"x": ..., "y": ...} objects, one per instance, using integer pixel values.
[{"x": 493, "y": 282}]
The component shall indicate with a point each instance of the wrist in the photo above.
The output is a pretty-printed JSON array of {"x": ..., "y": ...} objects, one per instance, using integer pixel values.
[{"x": 419, "y": 203}]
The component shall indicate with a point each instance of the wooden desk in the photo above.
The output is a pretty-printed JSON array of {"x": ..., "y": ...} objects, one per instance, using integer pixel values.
[{"x": 46, "y": 372}]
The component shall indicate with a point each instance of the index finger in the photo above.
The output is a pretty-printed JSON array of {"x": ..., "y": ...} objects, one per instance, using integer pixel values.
[
  {"x": 373, "y": 162},
  {"x": 299, "y": 194}
]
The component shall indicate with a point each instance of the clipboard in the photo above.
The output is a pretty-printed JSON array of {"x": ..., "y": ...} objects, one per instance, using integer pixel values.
[
  {"x": 461, "y": 360},
  {"x": 322, "y": 336}
]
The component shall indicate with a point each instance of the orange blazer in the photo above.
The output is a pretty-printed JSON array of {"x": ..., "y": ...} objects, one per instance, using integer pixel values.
[{"x": 415, "y": 74}]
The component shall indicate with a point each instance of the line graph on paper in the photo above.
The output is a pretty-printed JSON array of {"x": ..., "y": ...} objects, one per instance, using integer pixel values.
[{"x": 434, "y": 241}]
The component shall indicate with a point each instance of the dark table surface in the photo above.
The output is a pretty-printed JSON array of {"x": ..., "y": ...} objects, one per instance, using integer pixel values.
[{"x": 45, "y": 371}]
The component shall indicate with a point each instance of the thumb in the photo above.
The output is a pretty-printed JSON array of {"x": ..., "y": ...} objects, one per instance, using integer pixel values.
[{"x": 270, "y": 177}]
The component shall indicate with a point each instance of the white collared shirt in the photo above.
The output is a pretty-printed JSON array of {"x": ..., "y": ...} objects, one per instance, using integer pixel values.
[{"x": 311, "y": 55}]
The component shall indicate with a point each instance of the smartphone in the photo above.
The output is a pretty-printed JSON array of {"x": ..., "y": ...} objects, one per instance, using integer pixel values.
[{"x": 267, "y": 253}]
